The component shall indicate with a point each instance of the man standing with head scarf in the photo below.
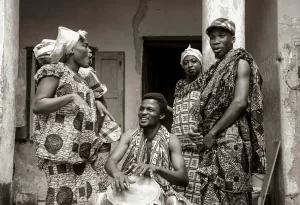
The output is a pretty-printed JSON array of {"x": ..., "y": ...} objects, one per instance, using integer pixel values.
[{"x": 230, "y": 112}]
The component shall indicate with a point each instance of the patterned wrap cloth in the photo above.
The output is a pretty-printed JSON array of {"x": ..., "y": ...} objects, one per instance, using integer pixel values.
[
  {"x": 67, "y": 146},
  {"x": 225, "y": 170},
  {"x": 186, "y": 94},
  {"x": 89, "y": 75},
  {"x": 43, "y": 51},
  {"x": 160, "y": 156},
  {"x": 70, "y": 147}
]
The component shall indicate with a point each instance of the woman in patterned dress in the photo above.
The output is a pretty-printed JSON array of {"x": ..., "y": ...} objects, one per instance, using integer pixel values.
[
  {"x": 186, "y": 93},
  {"x": 65, "y": 123}
]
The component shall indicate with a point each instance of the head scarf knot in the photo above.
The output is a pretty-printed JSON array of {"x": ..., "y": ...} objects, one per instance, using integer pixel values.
[{"x": 191, "y": 52}]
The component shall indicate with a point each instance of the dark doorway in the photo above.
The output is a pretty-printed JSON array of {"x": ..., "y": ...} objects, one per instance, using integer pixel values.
[{"x": 161, "y": 65}]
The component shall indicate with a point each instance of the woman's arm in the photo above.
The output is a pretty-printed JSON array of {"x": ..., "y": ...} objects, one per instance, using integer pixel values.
[{"x": 44, "y": 101}]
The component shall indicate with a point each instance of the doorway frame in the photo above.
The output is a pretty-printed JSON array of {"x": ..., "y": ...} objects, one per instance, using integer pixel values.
[{"x": 158, "y": 41}]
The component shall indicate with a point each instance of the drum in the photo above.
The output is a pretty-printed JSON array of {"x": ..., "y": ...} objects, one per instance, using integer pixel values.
[{"x": 144, "y": 191}]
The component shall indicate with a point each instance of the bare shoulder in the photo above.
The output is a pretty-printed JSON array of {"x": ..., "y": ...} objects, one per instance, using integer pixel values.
[
  {"x": 126, "y": 136},
  {"x": 243, "y": 68}
]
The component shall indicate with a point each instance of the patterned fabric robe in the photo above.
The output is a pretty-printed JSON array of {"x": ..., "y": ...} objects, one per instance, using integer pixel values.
[
  {"x": 67, "y": 144},
  {"x": 186, "y": 94},
  {"x": 225, "y": 170}
]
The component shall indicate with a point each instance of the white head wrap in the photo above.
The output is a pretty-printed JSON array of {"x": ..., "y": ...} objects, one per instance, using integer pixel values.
[
  {"x": 43, "y": 50},
  {"x": 191, "y": 52},
  {"x": 65, "y": 42}
]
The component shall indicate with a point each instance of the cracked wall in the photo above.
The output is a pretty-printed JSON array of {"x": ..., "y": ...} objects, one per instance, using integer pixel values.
[
  {"x": 121, "y": 25},
  {"x": 261, "y": 42},
  {"x": 138, "y": 17},
  {"x": 273, "y": 39},
  {"x": 289, "y": 48},
  {"x": 112, "y": 26}
]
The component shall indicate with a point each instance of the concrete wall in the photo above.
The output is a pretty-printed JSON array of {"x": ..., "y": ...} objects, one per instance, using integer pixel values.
[
  {"x": 113, "y": 25},
  {"x": 289, "y": 49},
  {"x": 119, "y": 25},
  {"x": 261, "y": 42},
  {"x": 9, "y": 44},
  {"x": 275, "y": 43}
]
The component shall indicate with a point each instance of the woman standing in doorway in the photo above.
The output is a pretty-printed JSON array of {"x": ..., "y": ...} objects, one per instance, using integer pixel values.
[
  {"x": 187, "y": 92},
  {"x": 65, "y": 112}
]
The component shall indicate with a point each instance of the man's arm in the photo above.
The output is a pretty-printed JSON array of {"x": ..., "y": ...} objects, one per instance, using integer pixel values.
[
  {"x": 179, "y": 176},
  {"x": 120, "y": 180},
  {"x": 237, "y": 106},
  {"x": 118, "y": 153}
]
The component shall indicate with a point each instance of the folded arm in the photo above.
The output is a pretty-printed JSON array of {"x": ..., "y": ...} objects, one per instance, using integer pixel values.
[
  {"x": 44, "y": 101},
  {"x": 240, "y": 100}
]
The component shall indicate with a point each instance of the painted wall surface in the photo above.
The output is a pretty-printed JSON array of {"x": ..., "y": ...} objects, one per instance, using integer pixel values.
[
  {"x": 9, "y": 44},
  {"x": 113, "y": 25},
  {"x": 289, "y": 48},
  {"x": 230, "y": 9},
  {"x": 261, "y": 42}
]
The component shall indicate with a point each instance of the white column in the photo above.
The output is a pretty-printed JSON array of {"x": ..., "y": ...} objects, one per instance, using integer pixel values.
[
  {"x": 9, "y": 52},
  {"x": 213, "y": 9}
]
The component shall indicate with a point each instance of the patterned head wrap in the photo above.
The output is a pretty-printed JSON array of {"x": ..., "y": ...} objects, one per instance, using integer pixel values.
[
  {"x": 191, "y": 52},
  {"x": 43, "y": 50},
  {"x": 65, "y": 42},
  {"x": 222, "y": 23}
]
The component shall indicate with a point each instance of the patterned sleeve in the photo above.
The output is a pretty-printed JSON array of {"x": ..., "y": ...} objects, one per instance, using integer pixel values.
[
  {"x": 55, "y": 70},
  {"x": 93, "y": 82}
]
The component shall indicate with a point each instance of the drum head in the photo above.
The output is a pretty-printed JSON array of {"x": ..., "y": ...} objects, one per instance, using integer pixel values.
[{"x": 144, "y": 191}]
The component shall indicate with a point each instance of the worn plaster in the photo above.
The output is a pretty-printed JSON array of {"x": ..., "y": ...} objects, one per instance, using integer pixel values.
[
  {"x": 289, "y": 46},
  {"x": 212, "y": 9},
  {"x": 138, "y": 17},
  {"x": 9, "y": 39},
  {"x": 110, "y": 27}
]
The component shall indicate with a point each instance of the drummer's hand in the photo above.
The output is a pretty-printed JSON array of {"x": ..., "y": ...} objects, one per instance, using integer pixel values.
[
  {"x": 121, "y": 181},
  {"x": 141, "y": 169}
]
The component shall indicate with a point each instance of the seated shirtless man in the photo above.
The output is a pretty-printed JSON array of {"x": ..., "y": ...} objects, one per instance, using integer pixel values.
[{"x": 151, "y": 151}]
